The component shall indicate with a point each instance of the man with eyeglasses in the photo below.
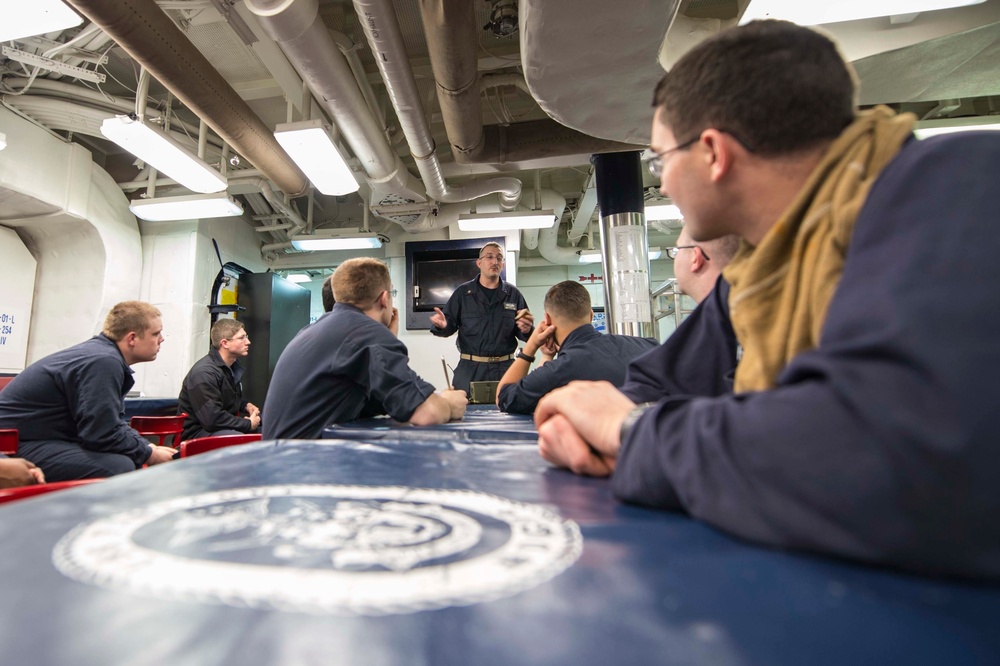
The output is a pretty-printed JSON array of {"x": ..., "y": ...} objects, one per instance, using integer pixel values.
[
  {"x": 697, "y": 267},
  {"x": 490, "y": 316},
  {"x": 350, "y": 364},
  {"x": 863, "y": 418},
  {"x": 212, "y": 392}
]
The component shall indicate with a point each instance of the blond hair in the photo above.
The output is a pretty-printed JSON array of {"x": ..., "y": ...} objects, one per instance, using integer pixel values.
[
  {"x": 360, "y": 281},
  {"x": 129, "y": 317}
]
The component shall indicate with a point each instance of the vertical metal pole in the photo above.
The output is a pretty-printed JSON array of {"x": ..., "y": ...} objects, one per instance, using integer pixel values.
[{"x": 624, "y": 243}]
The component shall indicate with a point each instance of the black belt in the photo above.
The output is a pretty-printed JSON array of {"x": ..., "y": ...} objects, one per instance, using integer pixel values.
[{"x": 488, "y": 359}]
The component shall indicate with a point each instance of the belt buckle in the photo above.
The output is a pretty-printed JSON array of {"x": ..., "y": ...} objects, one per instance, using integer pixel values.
[{"x": 493, "y": 359}]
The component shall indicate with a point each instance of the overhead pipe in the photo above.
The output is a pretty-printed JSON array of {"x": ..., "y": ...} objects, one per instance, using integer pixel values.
[
  {"x": 447, "y": 214},
  {"x": 151, "y": 38},
  {"x": 584, "y": 211},
  {"x": 382, "y": 30},
  {"x": 299, "y": 31},
  {"x": 451, "y": 29},
  {"x": 350, "y": 51},
  {"x": 274, "y": 199}
]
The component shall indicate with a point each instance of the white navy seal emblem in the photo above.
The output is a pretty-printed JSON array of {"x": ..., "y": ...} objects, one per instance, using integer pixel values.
[{"x": 367, "y": 550}]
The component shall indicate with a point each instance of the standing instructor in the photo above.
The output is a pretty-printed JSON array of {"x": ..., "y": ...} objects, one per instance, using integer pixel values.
[{"x": 484, "y": 311}]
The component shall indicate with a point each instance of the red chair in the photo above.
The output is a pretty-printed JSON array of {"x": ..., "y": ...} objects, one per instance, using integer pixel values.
[
  {"x": 22, "y": 492},
  {"x": 9, "y": 441},
  {"x": 163, "y": 428},
  {"x": 193, "y": 447}
]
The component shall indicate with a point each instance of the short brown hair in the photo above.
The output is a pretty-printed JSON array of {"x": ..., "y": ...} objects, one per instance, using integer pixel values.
[
  {"x": 225, "y": 329},
  {"x": 359, "y": 281},
  {"x": 128, "y": 317},
  {"x": 491, "y": 244},
  {"x": 568, "y": 300},
  {"x": 775, "y": 86}
]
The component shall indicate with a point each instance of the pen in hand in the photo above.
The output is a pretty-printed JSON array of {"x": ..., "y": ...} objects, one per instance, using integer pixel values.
[{"x": 444, "y": 366}]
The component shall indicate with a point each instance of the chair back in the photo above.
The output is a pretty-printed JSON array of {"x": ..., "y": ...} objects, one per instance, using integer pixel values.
[
  {"x": 193, "y": 447},
  {"x": 9, "y": 441},
  {"x": 166, "y": 429},
  {"x": 22, "y": 492}
]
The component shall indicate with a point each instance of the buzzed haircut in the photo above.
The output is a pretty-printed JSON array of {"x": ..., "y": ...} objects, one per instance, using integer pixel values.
[
  {"x": 568, "y": 300},
  {"x": 327, "y": 293},
  {"x": 225, "y": 329},
  {"x": 127, "y": 317},
  {"x": 776, "y": 87},
  {"x": 359, "y": 281},
  {"x": 491, "y": 244}
]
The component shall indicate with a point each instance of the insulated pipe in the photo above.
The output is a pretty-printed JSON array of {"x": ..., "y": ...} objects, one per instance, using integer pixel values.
[
  {"x": 312, "y": 50},
  {"x": 276, "y": 201},
  {"x": 584, "y": 211},
  {"x": 451, "y": 29},
  {"x": 448, "y": 214},
  {"x": 350, "y": 51},
  {"x": 382, "y": 30},
  {"x": 304, "y": 39},
  {"x": 148, "y": 35}
]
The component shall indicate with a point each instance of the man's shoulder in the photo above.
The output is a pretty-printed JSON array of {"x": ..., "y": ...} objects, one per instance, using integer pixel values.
[
  {"x": 98, "y": 350},
  {"x": 920, "y": 154}
]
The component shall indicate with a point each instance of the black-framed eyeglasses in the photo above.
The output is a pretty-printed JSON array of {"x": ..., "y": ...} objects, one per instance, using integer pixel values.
[
  {"x": 656, "y": 161},
  {"x": 672, "y": 251}
]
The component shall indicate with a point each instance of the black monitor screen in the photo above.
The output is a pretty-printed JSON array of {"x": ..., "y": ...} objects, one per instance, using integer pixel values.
[{"x": 435, "y": 280}]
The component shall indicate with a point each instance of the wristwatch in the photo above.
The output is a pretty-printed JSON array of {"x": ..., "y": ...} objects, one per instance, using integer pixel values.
[
  {"x": 521, "y": 355},
  {"x": 631, "y": 418}
]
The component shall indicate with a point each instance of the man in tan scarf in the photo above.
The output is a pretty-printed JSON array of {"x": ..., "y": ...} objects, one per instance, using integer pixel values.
[{"x": 863, "y": 421}]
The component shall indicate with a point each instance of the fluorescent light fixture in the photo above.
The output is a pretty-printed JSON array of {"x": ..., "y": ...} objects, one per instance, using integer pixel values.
[
  {"x": 312, "y": 148},
  {"x": 298, "y": 277},
  {"x": 518, "y": 219},
  {"x": 663, "y": 212},
  {"x": 158, "y": 149},
  {"x": 332, "y": 241},
  {"x": 191, "y": 207},
  {"x": 928, "y": 128},
  {"x": 817, "y": 13},
  {"x": 37, "y": 18},
  {"x": 3, "y": 140}
]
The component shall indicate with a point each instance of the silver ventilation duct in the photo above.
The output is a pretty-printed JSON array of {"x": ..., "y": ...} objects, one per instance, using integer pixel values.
[
  {"x": 382, "y": 31},
  {"x": 312, "y": 50},
  {"x": 450, "y": 27}
]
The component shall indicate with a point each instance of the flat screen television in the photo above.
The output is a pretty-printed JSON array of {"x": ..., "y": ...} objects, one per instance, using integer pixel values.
[
  {"x": 434, "y": 270},
  {"x": 434, "y": 280}
]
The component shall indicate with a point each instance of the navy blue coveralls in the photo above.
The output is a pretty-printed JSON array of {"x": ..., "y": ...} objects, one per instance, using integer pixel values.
[
  {"x": 344, "y": 367},
  {"x": 69, "y": 409},
  {"x": 585, "y": 354},
  {"x": 484, "y": 319}
]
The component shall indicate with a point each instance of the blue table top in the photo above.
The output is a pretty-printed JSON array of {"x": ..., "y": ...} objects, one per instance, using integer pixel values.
[
  {"x": 435, "y": 552},
  {"x": 482, "y": 424}
]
